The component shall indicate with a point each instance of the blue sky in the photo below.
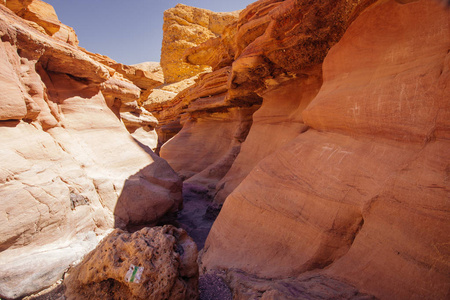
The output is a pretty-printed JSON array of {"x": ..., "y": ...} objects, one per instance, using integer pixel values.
[{"x": 130, "y": 31}]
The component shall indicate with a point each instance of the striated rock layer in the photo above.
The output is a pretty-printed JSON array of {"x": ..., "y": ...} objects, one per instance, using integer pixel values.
[
  {"x": 312, "y": 286},
  {"x": 258, "y": 59},
  {"x": 362, "y": 195},
  {"x": 70, "y": 170},
  {"x": 184, "y": 28}
]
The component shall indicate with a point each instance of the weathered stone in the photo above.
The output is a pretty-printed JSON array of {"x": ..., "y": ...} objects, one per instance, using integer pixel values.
[
  {"x": 186, "y": 27},
  {"x": 38, "y": 12},
  {"x": 245, "y": 286},
  {"x": 166, "y": 255},
  {"x": 12, "y": 101},
  {"x": 362, "y": 194},
  {"x": 273, "y": 126},
  {"x": 225, "y": 129},
  {"x": 66, "y": 158}
]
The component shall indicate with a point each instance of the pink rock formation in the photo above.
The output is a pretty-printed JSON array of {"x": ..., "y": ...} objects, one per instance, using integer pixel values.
[
  {"x": 167, "y": 258},
  {"x": 125, "y": 93},
  {"x": 273, "y": 126},
  {"x": 69, "y": 166},
  {"x": 211, "y": 115}
]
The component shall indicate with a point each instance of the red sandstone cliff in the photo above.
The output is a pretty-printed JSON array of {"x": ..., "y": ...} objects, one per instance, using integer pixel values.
[{"x": 344, "y": 171}]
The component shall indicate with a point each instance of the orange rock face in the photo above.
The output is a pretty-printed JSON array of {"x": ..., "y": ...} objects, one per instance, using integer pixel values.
[
  {"x": 249, "y": 66},
  {"x": 362, "y": 195},
  {"x": 166, "y": 258},
  {"x": 70, "y": 168},
  {"x": 42, "y": 17},
  {"x": 273, "y": 126},
  {"x": 38, "y": 12}
]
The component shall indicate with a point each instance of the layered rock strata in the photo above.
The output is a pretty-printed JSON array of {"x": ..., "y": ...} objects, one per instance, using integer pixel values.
[
  {"x": 256, "y": 59},
  {"x": 125, "y": 93},
  {"x": 184, "y": 28},
  {"x": 42, "y": 17},
  {"x": 70, "y": 169},
  {"x": 152, "y": 263},
  {"x": 206, "y": 110},
  {"x": 362, "y": 195}
]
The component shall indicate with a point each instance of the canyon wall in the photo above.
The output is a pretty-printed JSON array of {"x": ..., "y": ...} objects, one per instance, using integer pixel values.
[
  {"x": 260, "y": 56},
  {"x": 355, "y": 185},
  {"x": 339, "y": 165},
  {"x": 184, "y": 28},
  {"x": 322, "y": 127},
  {"x": 70, "y": 170}
]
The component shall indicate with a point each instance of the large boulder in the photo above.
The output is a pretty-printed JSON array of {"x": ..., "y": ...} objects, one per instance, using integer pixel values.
[{"x": 153, "y": 263}]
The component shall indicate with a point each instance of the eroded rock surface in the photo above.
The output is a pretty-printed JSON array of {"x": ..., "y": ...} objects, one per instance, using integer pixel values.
[
  {"x": 185, "y": 27},
  {"x": 167, "y": 256},
  {"x": 313, "y": 286},
  {"x": 68, "y": 161},
  {"x": 363, "y": 194}
]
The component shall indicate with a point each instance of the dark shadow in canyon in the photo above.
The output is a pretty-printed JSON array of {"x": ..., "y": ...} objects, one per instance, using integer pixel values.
[
  {"x": 196, "y": 214},
  {"x": 9, "y": 123}
]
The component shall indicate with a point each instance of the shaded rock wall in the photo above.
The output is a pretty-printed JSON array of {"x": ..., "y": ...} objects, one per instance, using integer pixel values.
[
  {"x": 245, "y": 286},
  {"x": 68, "y": 162}
]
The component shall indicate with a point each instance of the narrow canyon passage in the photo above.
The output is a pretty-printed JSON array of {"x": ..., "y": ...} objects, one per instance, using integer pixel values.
[
  {"x": 319, "y": 130},
  {"x": 197, "y": 215}
]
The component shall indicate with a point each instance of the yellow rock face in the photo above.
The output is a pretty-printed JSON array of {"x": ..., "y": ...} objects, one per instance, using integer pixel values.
[
  {"x": 186, "y": 27},
  {"x": 37, "y": 11}
]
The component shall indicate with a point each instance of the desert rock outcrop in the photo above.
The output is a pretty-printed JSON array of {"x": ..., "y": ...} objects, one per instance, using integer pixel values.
[
  {"x": 152, "y": 263},
  {"x": 256, "y": 59},
  {"x": 362, "y": 195},
  {"x": 69, "y": 165},
  {"x": 185, "y": 27},
  {"x": 125, "y": 93}
]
